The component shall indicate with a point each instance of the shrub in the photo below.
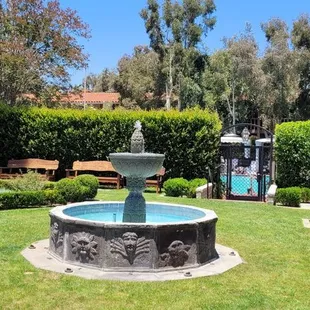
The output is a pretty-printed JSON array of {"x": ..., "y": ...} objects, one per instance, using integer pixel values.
[
  {"x": 305, "y": 194},
  {"x": 49, "y": 185},
  {"x": 71, "y": 190},
  {"x": 89, "y": 181},
  {"x": 176, "y": 187},
  {"x": 15, "y": 200},
  {"x": 26, "y": 199},
  {"x": 52, "y": 197},
  {"x": 293, "y": 154},
  {"x": 6, "y": 184},
  {"x": 193, "y": 184},
  {"x": 30, "y": 181},
  {"x": 190, "y": 139},
  {"x": 290, "y": 196}
]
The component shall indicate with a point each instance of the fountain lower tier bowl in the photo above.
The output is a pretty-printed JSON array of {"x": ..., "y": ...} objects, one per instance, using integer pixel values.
[
  {"x": 142, "y": 165},
  {"x": 91, "y": 234}
]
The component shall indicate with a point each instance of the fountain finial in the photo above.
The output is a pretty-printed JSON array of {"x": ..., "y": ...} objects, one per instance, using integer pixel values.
[{"x": 137, "y": 140}]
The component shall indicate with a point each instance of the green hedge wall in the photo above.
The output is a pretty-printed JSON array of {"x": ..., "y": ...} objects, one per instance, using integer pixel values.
[
  {"x": 189, "y": 139},
  {"x": 293, "y": 154}
]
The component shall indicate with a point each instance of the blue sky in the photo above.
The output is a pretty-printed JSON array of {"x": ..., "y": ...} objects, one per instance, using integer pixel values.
[{"x": 116, "y": 26}]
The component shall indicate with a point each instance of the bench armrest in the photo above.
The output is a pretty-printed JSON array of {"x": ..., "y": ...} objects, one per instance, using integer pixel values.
[{"x": 70, "y": 173}]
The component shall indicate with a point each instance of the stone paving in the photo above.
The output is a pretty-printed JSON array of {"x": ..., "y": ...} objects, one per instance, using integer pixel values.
[{"x": 37, "y": 254}]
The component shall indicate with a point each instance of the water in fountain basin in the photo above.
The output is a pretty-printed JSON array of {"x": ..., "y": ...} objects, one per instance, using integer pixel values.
[{"x": 155, "y": 213}]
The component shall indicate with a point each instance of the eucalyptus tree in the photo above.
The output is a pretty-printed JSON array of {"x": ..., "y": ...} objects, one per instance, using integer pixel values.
[
  {"x": 106, "y": 81},
  {"x": 300, "y": 37},
  {"x": 234, "y": 78},
  {"x": 280, "y": 64},
  {"x": 137, "y": 76},
  {"x": 176, "y": 30}
]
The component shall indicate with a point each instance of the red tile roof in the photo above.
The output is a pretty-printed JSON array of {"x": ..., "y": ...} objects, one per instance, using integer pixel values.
[{"x": 91, "y": 97}]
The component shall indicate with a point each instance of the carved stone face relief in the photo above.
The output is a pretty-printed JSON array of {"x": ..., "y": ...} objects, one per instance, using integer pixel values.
[
  {"x": 84, "y": 246},
  {"x": 56, "y": 235},
  {"x": 130, "y": 242},
  {"x": 177, "y": 254},
  {"x": 130, "y": 246}
]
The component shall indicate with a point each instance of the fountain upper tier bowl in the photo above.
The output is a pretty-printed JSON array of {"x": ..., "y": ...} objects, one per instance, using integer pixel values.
[{"x": 142, "y": 165}]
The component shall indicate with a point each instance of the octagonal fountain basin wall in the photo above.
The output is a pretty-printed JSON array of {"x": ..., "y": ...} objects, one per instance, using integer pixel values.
[{"x": 91, "y": 234}]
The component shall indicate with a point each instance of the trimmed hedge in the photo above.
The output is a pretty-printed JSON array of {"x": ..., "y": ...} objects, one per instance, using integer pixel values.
[
  {"x": 305, "y": 194},
  {"x": 189, "y": 139},
  {"x": 176, "y": 187},
  {"x": 192, "y": 186},
  {"x": 290, "y": 196},
  {"x": 25, "y": 199},
  {"x": 293, "y": 154}
]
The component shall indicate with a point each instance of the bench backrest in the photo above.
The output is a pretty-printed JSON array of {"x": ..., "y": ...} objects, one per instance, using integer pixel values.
[
  {"x": 33, "y": 163},
  {"x": 95, "y": 165}
]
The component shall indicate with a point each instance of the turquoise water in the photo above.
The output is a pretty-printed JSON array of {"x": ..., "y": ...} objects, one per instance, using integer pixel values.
[
  {"x": 243, "y": 184},
  {"x": 117, "y": 217},
  {"x": 155, "y": 213}
]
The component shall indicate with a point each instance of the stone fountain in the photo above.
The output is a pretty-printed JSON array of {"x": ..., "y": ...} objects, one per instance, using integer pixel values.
[
  {"x": 148, "y": 240},
  {"x": 136, "y": 167}
]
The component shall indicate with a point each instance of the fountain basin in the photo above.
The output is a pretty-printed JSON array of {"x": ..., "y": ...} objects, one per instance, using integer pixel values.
[
  {"x": 174, "y": 236},
  {"x": 141, "y": 165}
]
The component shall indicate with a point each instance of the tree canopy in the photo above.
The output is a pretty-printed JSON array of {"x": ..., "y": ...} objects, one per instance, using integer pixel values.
[{"x": 38, "y": 45}]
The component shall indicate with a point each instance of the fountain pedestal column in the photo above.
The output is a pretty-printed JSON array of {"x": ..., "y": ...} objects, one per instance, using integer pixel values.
[{"x": 135, "y": 209}]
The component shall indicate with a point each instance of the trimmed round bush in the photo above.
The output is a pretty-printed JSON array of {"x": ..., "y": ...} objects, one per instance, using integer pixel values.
[
  {"x": 71, "y": 190},
  {"x": 290, "y": 196},
  {"x": 91, "y": 182},
  {"x": 192, "y": 186},
  {"x": 176, "y": 187},
  {"x": 305, "y": 194}
]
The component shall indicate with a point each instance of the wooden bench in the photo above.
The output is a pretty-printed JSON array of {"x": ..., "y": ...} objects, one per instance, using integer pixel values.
[
  {"x": 157, "y": 181},
  {"x": 103, "y": 170},
  {"x": 17, "y": 167}
]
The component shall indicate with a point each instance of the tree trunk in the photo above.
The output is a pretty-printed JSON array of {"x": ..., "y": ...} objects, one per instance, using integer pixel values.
[{"x": 168, "y": 98}]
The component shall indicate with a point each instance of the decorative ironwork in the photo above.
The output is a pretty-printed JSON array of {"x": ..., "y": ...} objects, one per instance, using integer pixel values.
[{"x": 246, "y": 168}]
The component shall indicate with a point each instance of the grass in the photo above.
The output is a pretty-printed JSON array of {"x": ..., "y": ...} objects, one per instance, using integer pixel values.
[{"x": 271, "y": 240}]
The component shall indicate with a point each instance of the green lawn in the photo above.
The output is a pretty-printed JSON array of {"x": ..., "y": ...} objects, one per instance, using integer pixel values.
[{"x": 272, "y": 241}]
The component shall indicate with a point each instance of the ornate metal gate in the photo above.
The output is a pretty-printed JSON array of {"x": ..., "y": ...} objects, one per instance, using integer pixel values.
[{"x": 246, "y": 168}]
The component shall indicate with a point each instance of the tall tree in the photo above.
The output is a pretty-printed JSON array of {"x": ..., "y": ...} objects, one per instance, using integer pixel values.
[
  {"x": 106, "y": 81},
  {"x": 90, "y": 81},
  {"x": 137, "y": 75},
  {"x": 234, "y": 77},
  {"x": 38, "y": 44},
  {"x": 280, "y": 65},
  {"x": 301, "y": 41},
  {"x": 175, "y": 34}
]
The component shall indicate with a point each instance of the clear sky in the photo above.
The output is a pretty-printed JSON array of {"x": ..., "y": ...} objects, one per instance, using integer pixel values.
[{"x": 116, "y": 26}]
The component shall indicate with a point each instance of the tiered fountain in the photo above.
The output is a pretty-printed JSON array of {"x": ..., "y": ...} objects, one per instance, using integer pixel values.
[{"x": 135, "y": 235}]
